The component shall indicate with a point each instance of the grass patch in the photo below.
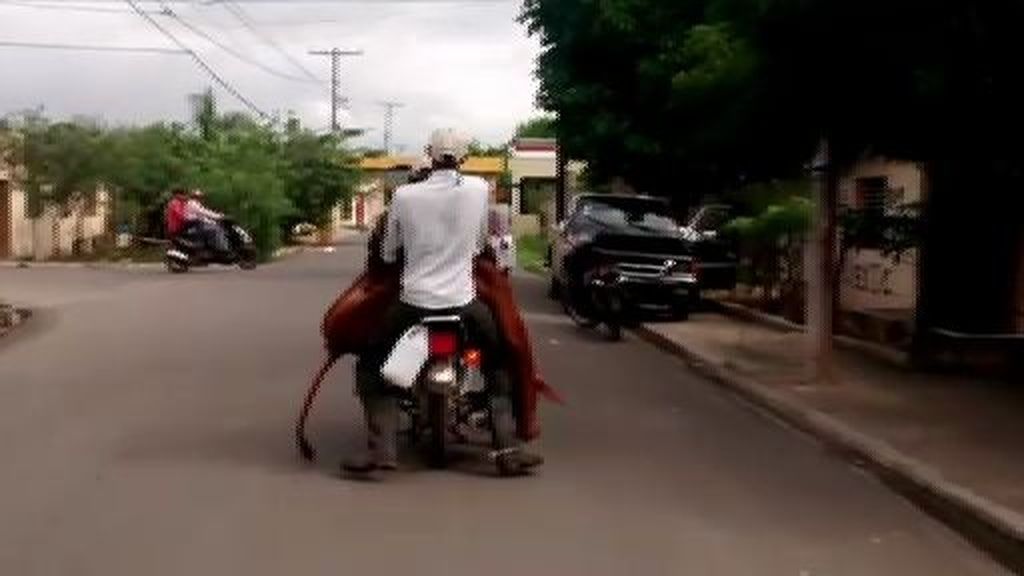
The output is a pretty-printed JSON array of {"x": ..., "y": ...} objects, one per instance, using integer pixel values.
[{"x": 531, "y": 252}]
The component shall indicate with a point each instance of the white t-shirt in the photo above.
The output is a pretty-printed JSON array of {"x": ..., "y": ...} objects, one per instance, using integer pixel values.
[
  {"x": 194, "y": 210},
  {"x": 441, "y": 224}
]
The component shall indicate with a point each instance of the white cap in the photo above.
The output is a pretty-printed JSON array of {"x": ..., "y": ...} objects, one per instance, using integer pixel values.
[{"x": 447, "y": 142}]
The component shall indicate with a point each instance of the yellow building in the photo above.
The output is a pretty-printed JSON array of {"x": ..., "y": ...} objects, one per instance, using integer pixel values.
[{"x": 382, "y": 174}]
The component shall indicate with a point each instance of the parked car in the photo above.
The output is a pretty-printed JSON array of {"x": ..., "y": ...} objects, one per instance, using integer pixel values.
[
  {"x": 715, "y": 254},
  {"x": 637, "y": 238}
]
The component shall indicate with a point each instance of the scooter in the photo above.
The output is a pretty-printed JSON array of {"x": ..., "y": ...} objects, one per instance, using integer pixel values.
[{"x": 189, "y": 249}]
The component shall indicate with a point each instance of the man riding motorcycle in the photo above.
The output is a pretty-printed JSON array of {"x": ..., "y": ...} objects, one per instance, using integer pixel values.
[
  {"x": 206, "y": 222},
  {"x": 440, "y": 225},
  {"x": 174, "y": 215}
]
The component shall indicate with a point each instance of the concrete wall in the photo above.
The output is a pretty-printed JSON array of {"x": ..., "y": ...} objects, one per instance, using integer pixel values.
[
  {"x": 539, "y": 166},
  {"x": 869, "y": 280},
  {"x": 525, "y": 225},
  {"x": 21, "y": 227},
  {"x": 904, "y": 178},
  {"x": 532, "y": 165},
  {"x": 54, "y": 233}
]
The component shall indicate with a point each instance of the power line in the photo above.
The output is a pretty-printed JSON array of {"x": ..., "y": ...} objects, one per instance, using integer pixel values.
[
  {"x": 65, "y": 6},
  {"x": 93, "y": 48},
  {"x": 213, "y": 40},
  {"x": 242, "y": 17},
  {"x": 202, "y": 64}
]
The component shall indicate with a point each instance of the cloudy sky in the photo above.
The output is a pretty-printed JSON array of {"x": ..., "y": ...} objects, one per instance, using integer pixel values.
[{"x": 452, "y": 63}]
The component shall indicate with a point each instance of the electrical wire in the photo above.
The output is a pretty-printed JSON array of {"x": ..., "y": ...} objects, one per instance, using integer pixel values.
[
  {"x": 242, "y": 17},
  {"x": 92, "y": 47},
  {"x": 199, "y": 61},
  {"x": 168, "y": 12},
  {"x": 65, "y": 6}
]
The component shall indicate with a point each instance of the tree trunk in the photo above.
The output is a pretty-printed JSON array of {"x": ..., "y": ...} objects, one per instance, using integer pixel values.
[
  {"x": 822, "y": 292},
  {"x": 970, "y": 250}
]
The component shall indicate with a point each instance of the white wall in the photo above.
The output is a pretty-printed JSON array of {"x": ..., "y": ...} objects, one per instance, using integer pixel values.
[
  {"x": 869, "y": 280},
  {"x": 540, "y": 165},
  {"x": 21, "y": 227},
  {"x": 902, "y": 175},
  {"x": 532, "y": 165},
  {"x": 50, "y": 234}
]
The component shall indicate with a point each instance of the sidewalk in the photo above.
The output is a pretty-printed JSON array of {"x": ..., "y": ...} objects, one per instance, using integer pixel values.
[{"x": 958, "y": 439}]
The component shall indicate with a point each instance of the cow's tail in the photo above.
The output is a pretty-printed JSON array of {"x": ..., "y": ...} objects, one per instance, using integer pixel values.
[{"x": 305, "y": 448}]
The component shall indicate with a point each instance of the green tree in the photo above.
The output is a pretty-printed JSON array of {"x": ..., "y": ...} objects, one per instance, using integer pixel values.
[
  {"x": 141, "y": 166},
  {"x": 63, "y": 161},
  {"x": 688, "y": 97},
  {"x": 770, "y": 249},
  {"x": 266, "y": 176},
  {"x": 317, "y": 173},
  {"x": 649, "y": 91},
  {"x": 539, "y": 127},
  {"x": 239, "y": 166},
  {"x": 477, "y": 148}
]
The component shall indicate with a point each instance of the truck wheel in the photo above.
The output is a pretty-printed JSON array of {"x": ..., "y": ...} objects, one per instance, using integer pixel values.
[{"x": 681, "y": 312}]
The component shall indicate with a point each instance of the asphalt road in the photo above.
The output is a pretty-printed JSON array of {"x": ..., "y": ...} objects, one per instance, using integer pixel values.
[{"x": 146, "y": 428}]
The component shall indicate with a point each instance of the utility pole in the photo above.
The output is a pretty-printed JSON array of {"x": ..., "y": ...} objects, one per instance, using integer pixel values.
[
  {"x": 335, "y": 54},
  {"x": 823, "y": 285},
  {"x": 389, "y": 121},
  {"x": 561, "y": 164}
]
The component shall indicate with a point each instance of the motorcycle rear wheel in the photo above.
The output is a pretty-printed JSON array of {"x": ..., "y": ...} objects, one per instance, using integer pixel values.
[
  {"x": 175, "y": 266},
  {"x": 614, "y": 331},
  {"x": 247, "y": 259}
]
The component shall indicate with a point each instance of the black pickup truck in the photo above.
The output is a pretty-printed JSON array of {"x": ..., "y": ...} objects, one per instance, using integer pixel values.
[{"x": 638, "y": 237}]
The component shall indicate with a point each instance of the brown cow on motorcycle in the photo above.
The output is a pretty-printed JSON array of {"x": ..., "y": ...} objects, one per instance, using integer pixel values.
[{"x": 350, "y": 321}]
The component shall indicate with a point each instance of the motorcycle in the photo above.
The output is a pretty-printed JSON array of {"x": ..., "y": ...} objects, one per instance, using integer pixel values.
[
  {"x": 448, "y": 403},
  {"x": 597, "y": 297},
  {"x": 189, "y": 249}
]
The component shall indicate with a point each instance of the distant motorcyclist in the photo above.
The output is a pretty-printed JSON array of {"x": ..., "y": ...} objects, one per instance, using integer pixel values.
[
  {"x": 206, "y": 221},
  {"x": 174, "y": 215}
]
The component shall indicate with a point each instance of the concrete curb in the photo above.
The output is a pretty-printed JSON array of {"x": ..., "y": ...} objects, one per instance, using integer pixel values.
[
  {"x": 287, "y": 251},
  {"x": 98, "y": 265},
  {"x": 11, "y": 318},
  {"x": 892, "y": 356},
  {"x": 991, "y": 527}
]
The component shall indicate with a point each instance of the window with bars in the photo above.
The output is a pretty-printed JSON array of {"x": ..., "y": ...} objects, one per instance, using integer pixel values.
[{"x": 871, "y": 196}]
